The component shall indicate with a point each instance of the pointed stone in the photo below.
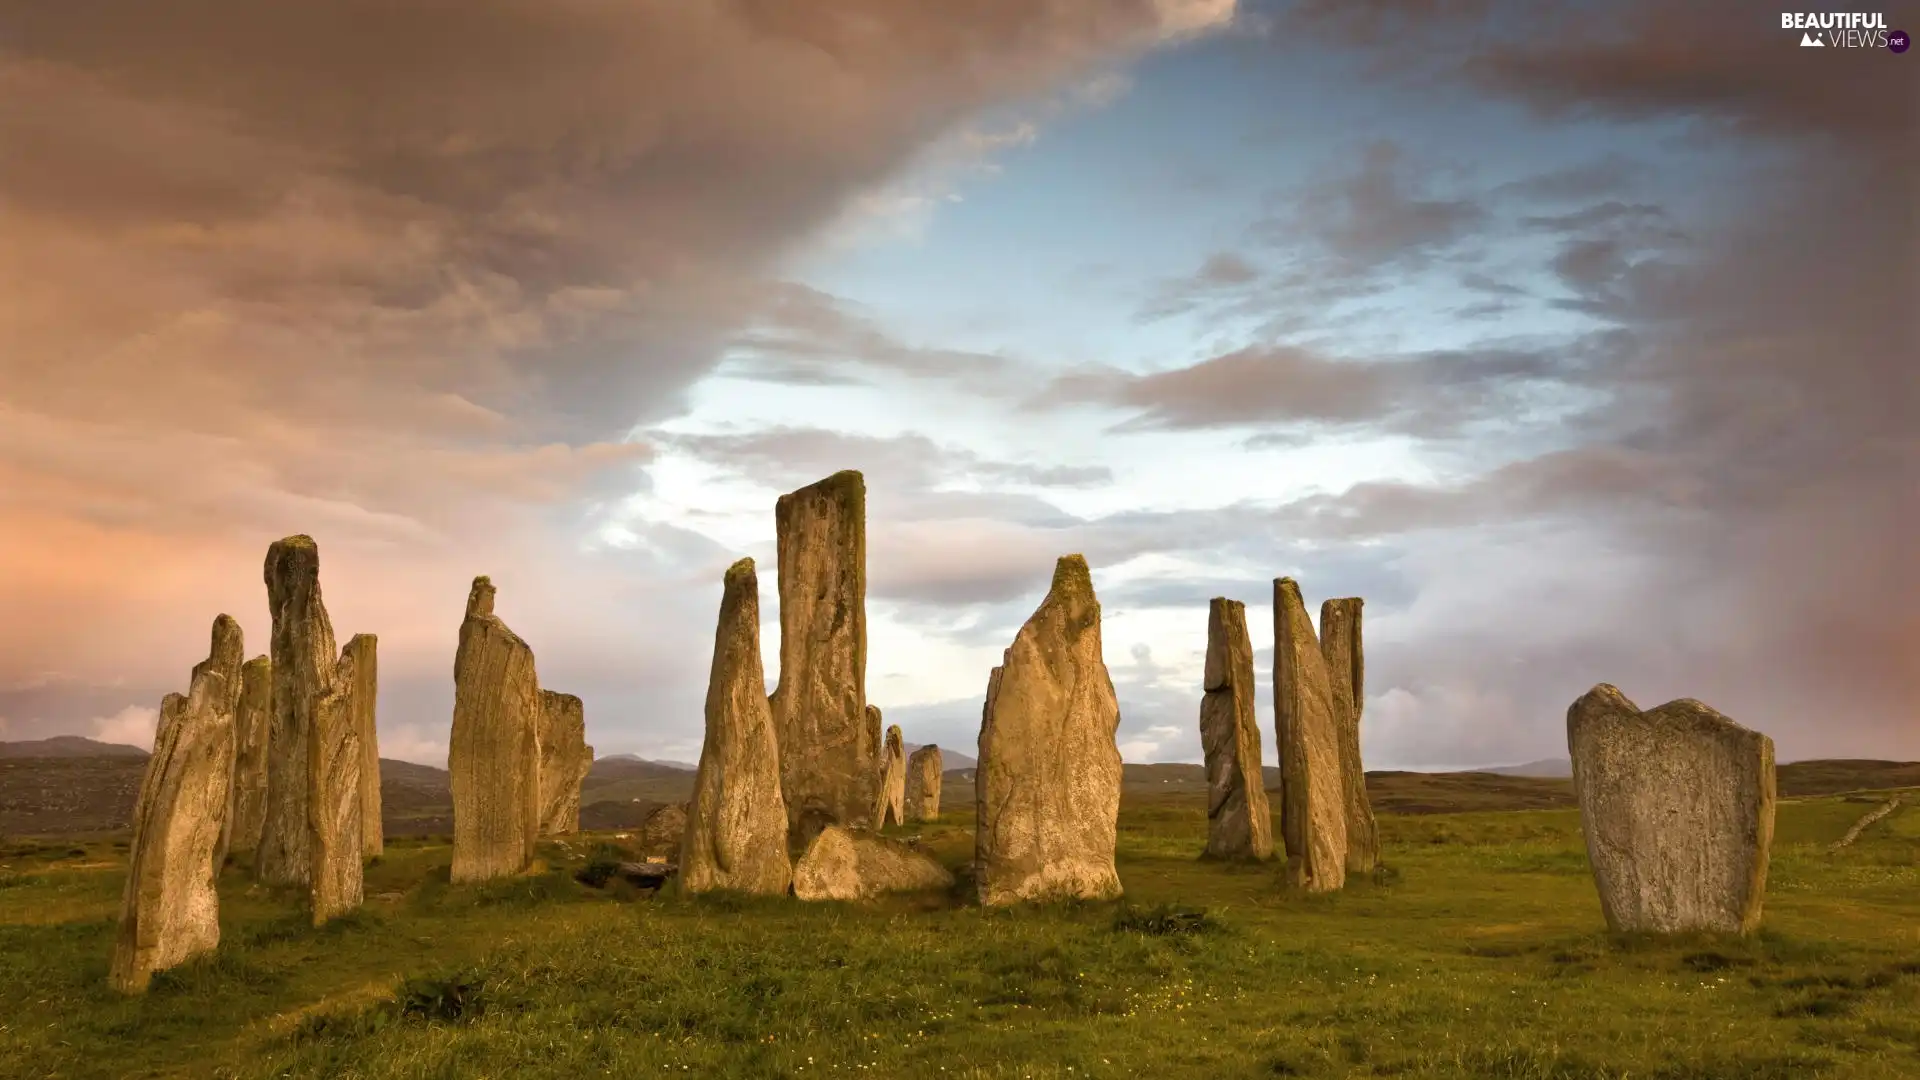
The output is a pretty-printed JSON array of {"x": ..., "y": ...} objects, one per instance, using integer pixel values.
[
  {"x": 493, "y": 757},
  {"x": 890, "y": 806},
  {"x": 169, "y": 906},
  {"x": 1239, "y": 824},
  {"x": 251, "y": 724},
  {"x": 1340, "y": 648},
  {"x": 303, "y": 653},
  {"x": 1313, "y": 816},
  {"x": 364, "y": 650},
  {"x": 855, "y": 864},
  {"x": 1048, "y": 781},
  {"x": 923, "y": 784},
  {"x": 335, "y": 833},
  {"x": 828, "y": 754},
  {"x": 736, "y": 835},
  {"x": 565, "y": 758},
  {"x": 1677, "y": 805}
]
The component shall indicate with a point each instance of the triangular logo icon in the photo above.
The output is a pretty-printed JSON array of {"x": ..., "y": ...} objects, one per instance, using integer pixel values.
[{"x": 1808, "y": 41}]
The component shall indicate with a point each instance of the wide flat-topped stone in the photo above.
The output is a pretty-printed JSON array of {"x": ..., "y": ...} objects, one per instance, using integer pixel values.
[{"x": 856, "y": 864}]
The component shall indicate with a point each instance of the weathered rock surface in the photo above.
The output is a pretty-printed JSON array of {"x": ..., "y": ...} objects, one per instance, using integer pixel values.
[
  {"x": 1340, "y": 648},
  {"x": 1677, "y": 806},
  {"x": 923, "y": 784},
  {"x": 169, "y": 909},
  {"x": 565, "y": 758},
  {"x": 890, "y": 808},
  {"x": 664, "y": 830},
  {"x": 1048, "y": 779},
  {"x": 856, "y": 864},
  {"x": 828, "y": 753},
  {"x": 1239, "y": 822},
  {"x": 364, "y": 653},
  {"x": 1313, "y": 816},
  {"x": 303, "y": 656},
  {"x": 736, "y": 835},
  {"x": 252, "y": 723},
  {"x": 335, "y": 834},
  {"x": 494, "y": 754}
]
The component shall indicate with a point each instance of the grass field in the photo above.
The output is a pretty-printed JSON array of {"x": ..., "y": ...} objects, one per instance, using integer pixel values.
[{"x": 1479, "y": 953}]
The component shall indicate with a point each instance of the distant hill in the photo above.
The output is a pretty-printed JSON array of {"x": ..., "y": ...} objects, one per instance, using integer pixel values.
[
  {"x": 1545, "y": 767},
  {"x": 950, "y": 759},
  {"x": 69, "y": 746},
  {"x": 688, "y": 766}
]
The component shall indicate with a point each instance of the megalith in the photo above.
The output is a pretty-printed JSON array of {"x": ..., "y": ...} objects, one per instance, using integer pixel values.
[
  {"x": 169, "y": 907},
  {"x": 303, "y": 656},
  {"x": 1313, "y": 818},
  {"x": 1677, "y": 807},
  {"x": 922, "y": 798},
  {"x": 251, "y": 721},
  {"x": 856, "y": 864},
  {"x": 493, "y": 755},
  {"x": 1239, "y": 823},
  {"x": 1340, "y": 648},
  {"x": 890, "y": 807},
  {"x": 1048, "y": 779},
  {"x": 736, "y": 836},
  {"x": 565, "y": 758},
  {"x": 363, "y": 699},
  {"x": 828, "y": 754},
  {"x": 336, "y": 836}
]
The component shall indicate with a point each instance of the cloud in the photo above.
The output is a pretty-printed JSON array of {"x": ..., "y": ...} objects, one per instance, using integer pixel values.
[{"x": 132, "y": 726}]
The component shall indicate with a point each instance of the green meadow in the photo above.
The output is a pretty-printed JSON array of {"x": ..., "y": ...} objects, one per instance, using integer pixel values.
[{"x": 1479, "y": 951}]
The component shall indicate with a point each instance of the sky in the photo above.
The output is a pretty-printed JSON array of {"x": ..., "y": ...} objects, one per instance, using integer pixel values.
[{"x": 1577, "y": 339}]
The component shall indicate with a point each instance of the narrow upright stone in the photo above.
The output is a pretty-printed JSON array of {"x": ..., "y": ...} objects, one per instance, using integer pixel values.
[
  {"x": 828, "y": 756},
  {"x": 1313, "y": 817},
  {"x": 335, "y": 834},
  {"x": 494, "y": 753},
  {"x": 737, "y": 824},
  {"x": 565, "y": 758},
  {"x": 923, "y": 784},
  {"x": 1346, "y": 665},
  {"x": 1239, "y": 823},
  {"x": 364, "y": 652},
  {"x": 303, "y": 653},
  {"x": 891, "y": 805},
  {"x": 1048, "y": 781},
  {"x": 169, "y": 907},
  {"x": 251, "y": 724},
  {"x": 1677, "y": 805}
]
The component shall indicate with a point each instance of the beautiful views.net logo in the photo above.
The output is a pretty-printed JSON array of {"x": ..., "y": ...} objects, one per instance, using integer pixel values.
[{"x": 1845, "y": 30}]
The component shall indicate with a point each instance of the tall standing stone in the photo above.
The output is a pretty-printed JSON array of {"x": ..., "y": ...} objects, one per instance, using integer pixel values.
[
  {"x": 828, "y": 756},
  {"x": 891, "y": 805},
  {"x": 1677, "y": 806},
  {"x": 923, "y": 784},
  {"x": 565, "y": 758},
  {"x": 335, "y": 834},
  {"x": 1048, "y": 779},
  {"x": 364, "y": 651},
  {"x": 169, "y": 907},
  {"x": 1340, "y": 647},
  {"x": 493, "y": 757},
  {"x": 1313, "y": 816},
  {"x": 736, "y": 835},
  {"x": 251, "y": 723},
  {"x": 303, "y": 655},
  {"x": 1239, "y": 823}
]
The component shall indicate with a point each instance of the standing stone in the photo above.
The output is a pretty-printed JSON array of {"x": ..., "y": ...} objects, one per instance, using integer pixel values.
[
  {"x": 335, "y": 833},
  {"x": 1048, "y": 780},
  {"x": 565, "y": 758},
  {"x": 169, "y": 907},
  {"x": 923, "y": 785},
  {"x": 1346, "y": 679},
  {"x": 251, "y": 722},
  {"x": 1677, "y": 807},
  {"x": 1313, "y": 816},
  {"x": 494, "y": 753},
  {"x": 854, "y": 864},
  {"x": 828, "y": 749},
  {"x": 663, "y": 830},
  {"x": 303, "y": 657},
  {"x": 1239, "y": 823},
  {"x": 737, "y": 825},
  {"x": 891, "y": 805},
  {"x": 364, "y": 650}
]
